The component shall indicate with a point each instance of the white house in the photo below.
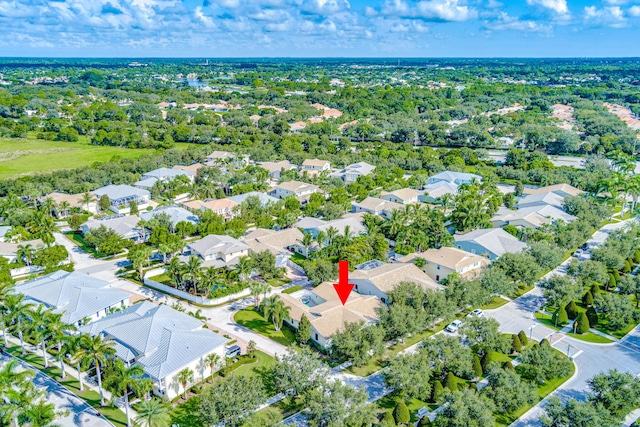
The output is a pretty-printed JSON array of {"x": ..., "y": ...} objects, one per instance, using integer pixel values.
[
  {"x": 541, "y": 199},
  {"x": 376, "y": 206},
  {"x": 175, "y": 214},
  {"x": 403, "y": 196},
  {"x": 126, "y": 226},
  {"x": 444, "y": 261},
  {"x": 341, "y": 225},
  {"x": 281, "y": 243},
  {"x": 222, "y": 207},
  {"x": 314, "y": 166},
  {"x": 149, "y": 179},
  {"x": 553, "y": 213},
  {"x": 276, "y": 168},
  {"x": 492, "y": 242},
  {"x": 520, "y": 218},
  {"x": 163, "y": 341},
  {"x": 300, "y": 190},
  {"x": 9, "y": 250},
  {"x": 457, "y": 178},
  {"x": 121, "y": 196},
  {"x": 438, "y": 189},
  {"x": 220, "y": 249},
  {"x": 77, "y": 296},
  {"x": 352, "y": 172},
  {"x": 562, "y": 190}
]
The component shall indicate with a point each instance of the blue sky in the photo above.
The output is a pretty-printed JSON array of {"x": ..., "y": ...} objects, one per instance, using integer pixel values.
[{"x": 320, "y": 28}]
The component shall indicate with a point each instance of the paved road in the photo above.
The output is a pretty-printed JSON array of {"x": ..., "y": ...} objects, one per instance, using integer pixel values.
[
  {"x": 590, "y": 359},
  {"x": 76, "y": 411}
]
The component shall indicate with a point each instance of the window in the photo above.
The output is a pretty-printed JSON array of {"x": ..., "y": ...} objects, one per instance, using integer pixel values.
[
  {"x": 437, "y": 278},
  {"x": 438, "y": 267},
  {"x": 316, "y": 337}
]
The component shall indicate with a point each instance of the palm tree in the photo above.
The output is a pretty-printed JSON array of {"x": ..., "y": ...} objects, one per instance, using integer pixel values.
[
  {"x": 12, "y": 384},
  {"x": 176, "y": 271},
  {"x": 212, "y": 360},
  {"x": 332, "y": 232},
  {"x": 96, "y": 350},
  {"x": 257, "y": 289},
  {"x": 74, "y": 347},
  {"x": 445, "y": 200},
  {"x": 38, "y": 411},
  {"x": 192, "y": 272},
  {"x": 40, "y": 318},
  {"x": 274, "y": 309},
  {"x": 86, "y": 199},
  {"x": 25, "y": 253},
  {"x": 243, "y": 268},
  {"x": 64, "y": 208},
  {"x": 58, "y": 331},
  {"x": 5, "y": 289},
  {"x": 153, "y": 413},
  {"x": 184, "y": 378},
  {"x": 48, "y": 206},
  {"x": 123, "y": 378},
  {"x": 321, "y": 238},
  {"x": 307, "y": 241},
  {"x": 19, "y": 313},
  {"x": 346, "y": 231}
]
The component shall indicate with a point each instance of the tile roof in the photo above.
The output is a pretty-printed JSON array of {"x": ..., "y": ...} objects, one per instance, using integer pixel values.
[
  {"x": 277, "y": 166},
  {"x": 191, "y": 168},
  {"x": 11, "y": 249},
  {"x": 315, "y": 163},
  {"x": 495, "y": 240},
  {"x": 76, "y": 295},
  {"x": 213, "y": 204},
  {"x": 215, "y": 243},
  {"x": 549, "y": 211},
  {"x": 403, "y": 193},
  {"x": 176, "y": 214},
  {"x": 374, "y": 204},
  {"x": 388, "y": 276},
  {"x": 557, "y": 188},
  {"x": 452, "y": 258},
  {"x": 296, "y": 186},
  {"x": 125, "y": 226},
  {"x": 271, "y": 240},
  {"x": 451, "y": 176},
  {"x": 439, "y": 188}
]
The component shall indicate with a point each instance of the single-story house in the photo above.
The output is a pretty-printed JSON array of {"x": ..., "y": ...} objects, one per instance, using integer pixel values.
[
  {"x": 125, "y": 225},
  {"x": 194, "y": 168},
  {"x": 531, "y": 219},
  {"x": 9, "y": 250},
  {"x": 326, "y": 313},
  {"x": 541, "y": 199},
  {"x": 551, "y": 212},
  {"x": 315, "y": 225},
  {"x": 175, "y": 214},
  {"x": 223, "y": 207},
  {"x": 223, "y": 249},
  {"x": 313, "y": 166},
  {"x": 562, "y": 190},
  {"x": 149, "y": 179},
  {"x": 352, "y": 172},
  {"x": 378, "y": 278},
  {"x": 163, "y": 341},
  {"x": 221, "y": 158},
  {"x": 74, "y": 201},
  {"x": 404, "y": 196},
  {"x": 77, "y": 296},
  {"x": 265, "y": 199},
  {"x": 438, "y": 189},
  {"x": 492, "y": 242},
  {"x": 281, "y": 243},
  {"x": 121, "y": 196},
  {"x": 376, "y": 206},
  {"x": 300, "y": 190},
  {"x": 457, "y": 178},
  {"x": 444, "y": 261},
  {"x": 276, "y": 168}
]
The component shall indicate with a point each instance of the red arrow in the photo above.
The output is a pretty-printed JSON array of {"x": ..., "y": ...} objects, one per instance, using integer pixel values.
[{"x": 343, "y": 287}]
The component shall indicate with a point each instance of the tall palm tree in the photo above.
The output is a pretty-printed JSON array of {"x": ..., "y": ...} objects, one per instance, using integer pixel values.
[
  {"x": 274, "y": 309},
  {"x": 123, "y": 378},
  {"x": 243, "y": 268},
  {"x": 5, "y": 289},
  {"x": 321, "y": 238},
  {"x": 96, "y": 350},
  {"x": 153, "y": 413},
  {"x": 48, "y": 206},
  {"x": 74, "y": 347},
  {"x": 39, "y": 327},
  {"x": 25, "y": 253},
  {"x": 212, "y": 360},
  {"x": 307, "y": 241},
  {"x": 12, "y": 384},
  {"x": 176, "y": 271},
  {"x": 64, "y": 208},
  {"x": 258, "y": 289},
  {"x": 19, "y": 313},
  {"x": 192, "y": 272},
  {"x": 86, "y": 199},
  {"x": 332, "y": 232},
  {"x": 184, "y": 378},
  {"x": 58, "y": 331}
]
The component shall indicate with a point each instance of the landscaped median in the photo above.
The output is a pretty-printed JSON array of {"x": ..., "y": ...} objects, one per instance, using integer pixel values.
[{"x": 547, "y": 320}]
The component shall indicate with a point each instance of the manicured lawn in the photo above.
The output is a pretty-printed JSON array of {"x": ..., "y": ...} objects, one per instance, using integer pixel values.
[
  {"x": 253, "y": 320},
  {"x": 389, "y": 402},
  {"x": 259, "y": 368},
  {"x": 162, "y": 278},
  {"x": 494, "y": 303},
  {"x": 19, "y": 156},
  {"x": 278, "y": 282},
  {"x": 588, "y": 337},
  {"x": 115, "y": 415},
  {"x": 78, "y": 239},
  {"x": 521, "y": 291}
]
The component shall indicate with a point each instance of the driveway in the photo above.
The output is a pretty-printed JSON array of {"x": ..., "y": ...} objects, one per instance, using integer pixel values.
[{"x": 76, "y": 411}]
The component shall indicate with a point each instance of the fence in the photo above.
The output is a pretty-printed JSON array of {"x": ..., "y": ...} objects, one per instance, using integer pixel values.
[{"x": 187, "y": 296}]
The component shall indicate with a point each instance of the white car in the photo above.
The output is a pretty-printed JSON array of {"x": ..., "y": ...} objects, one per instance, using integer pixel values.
[
  {"x": 476, "y": 313},
  {"x": 453, "y": 326}
]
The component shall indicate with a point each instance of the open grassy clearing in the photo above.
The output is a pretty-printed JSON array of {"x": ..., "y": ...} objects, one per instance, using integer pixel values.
[
  {"x": 253, "y": 320},
  {"x": 20, "y": 156}
]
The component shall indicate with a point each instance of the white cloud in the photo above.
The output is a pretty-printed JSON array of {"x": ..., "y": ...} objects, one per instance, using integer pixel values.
[
  {"x": 507, "y": 22},
  {"x": 324, "y": 7},
  {"x": 558, "y": 6},
  {"x": 634, "y": 11},
  {"x": 431, "y": 10},
  {"x": 616, "y": 2},
  {"x": 610, "y": 16}
]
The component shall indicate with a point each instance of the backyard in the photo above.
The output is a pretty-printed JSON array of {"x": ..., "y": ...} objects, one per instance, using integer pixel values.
[{"x": 253, "y": 320}]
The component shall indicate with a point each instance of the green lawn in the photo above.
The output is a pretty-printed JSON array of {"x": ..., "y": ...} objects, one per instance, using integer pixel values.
[
  {"x": 115, "y": 415},
  {"x": 253, "y": 320},
  {"x": 494, "y": 303},
  {"x": 163, "y": 278},
  {"x": 19, "y": 156},
  {"x": 278, "y": 282},
  {"x": 588, "y": 337}
]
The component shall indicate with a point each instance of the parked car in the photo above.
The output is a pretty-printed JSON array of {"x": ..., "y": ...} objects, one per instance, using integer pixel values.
[
  {"x": 453, "y": 326},
  {"x": 476, "y": 313},
  {"x": 233, "y": 351}
]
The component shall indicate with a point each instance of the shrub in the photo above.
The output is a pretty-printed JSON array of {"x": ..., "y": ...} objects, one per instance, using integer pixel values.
[
  {"x": 523, "y": 338},
  {"x": 437, "y": 392},
  {"x": 583, "y": 324},
  {"x": 544, "y": 343},
  {"x": 387, "y": 419},
  {"x": 572, "y": 310},
  {"x": 587, "y": 299},
  {"x": 627, "y": 267},
  {"x": 450, "y": 382},
  {"x": 508, "y": 366},
  {"x": 401, "y": 413},
  {"x": 560, "y": 317},
  {"x": 612, "y": 281},
  {"x": 595, "y": 289},
  {"x": 592, "y": 316},
  {"x": 424, "y": 422},
  {"x": 636, "y": 256},
  {"x": 516, "y": 345},
  {"x": 616, "y": 274}
]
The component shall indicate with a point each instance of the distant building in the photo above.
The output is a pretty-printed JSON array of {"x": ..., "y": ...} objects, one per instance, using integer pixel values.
[
  {"x": 121, "y": 196},
  {"x": 315, "y": 166},
  {"x": 218, "y": 251},
  {"x": 519, "y": 218},
  {"x": 376, "y": 206},
  {"x": 493, "y": 242},
  {"x": 77, "y": 296},
  {"x": 265, "y": 199},
  {"x": 276, "y": 168},
  {"x": 175, "y": 214},
  {"x": 223, "y": 207},
  {"x": 444, "y": 261},
  {"x": 149, "y": 179},
  {"x": 9, "y": 250},
  {"x": 562, "y": 190},
  {"x": 74, "y": 201},
  {"x": 300, "y": 190},
  {"x": 282, "y": 243},
  {"x": 222, "y": 158},
  {"x": 541, "y": 199},
  {"x": 126, "y": 226},
  {"x": 404, "y": 196},
  {"x": 438, "y": 189},
  {"x": 457, "y": 178},
  {"x": 352, "y": 172}
]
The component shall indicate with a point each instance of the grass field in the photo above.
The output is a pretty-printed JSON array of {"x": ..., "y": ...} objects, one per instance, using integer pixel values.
[
  {"x": 20, "y": 156},
  {"x": 249, "y": 318}
]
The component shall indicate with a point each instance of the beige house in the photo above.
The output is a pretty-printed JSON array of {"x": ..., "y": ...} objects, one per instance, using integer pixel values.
[
  {"x": 276, "y": 168},
  {"x": 377, "y": 278},
  {"x": 562, "y": 190},
  {"x": 218, "y": 248},
  {"x": 376, "y": 206},
  {"x": 74, "y": 201},
  {"x": 223, "y": 207},
  {"x": 315, "y": 165},
  {"x": 191, "y": 168},
  {"x": 300, "y": 190},
  {"x": 325, "y": 311},
  {"x": 281, "y": 243},
  {"x": 521, "y": 218},
  {"x": 403, "y": 196},
  {"x": 444, "y": 261}
]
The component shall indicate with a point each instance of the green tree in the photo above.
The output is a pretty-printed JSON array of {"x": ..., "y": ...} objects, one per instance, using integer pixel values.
[
  {"x": 618, "y": 392},
  {"x": 153, "y": 413},
  {"x": 274, "y": 309},
  {"x": 184, "y": 378},
  {"x": 572, "y": 310},
  {"x": 516, "y": 345},
  {"x": 336, "y": 404},
  {"x": 573, "y": 413},
  {"x": 523, "y": 338},
  {"x": 104, "y": 203},
  {"x": 303, "y": 334},
  {"x": 508, "y": 391},
  {"x": 583, "y": 323},
  {"x": 477, "y": 366},
  {"x": 121, "y": 379},
  {"x": 587, "y": 299},
  {"x": 299, "y": 372},
  {"x": 466, "y": 408},
  {"x": 212, "y": 361},
  {"x": 401, "y": 413},
  {"x": 438, "y": 391},
  {"x": 409, "y": 375},
  {"x": 450, "y": 382},
  {"x": 560, "y": 317},
  {"x": 231, "y": 400},
  {"x": 592, "y": 316},
  {"x": 96, "y": 350}
]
